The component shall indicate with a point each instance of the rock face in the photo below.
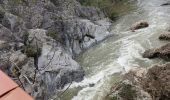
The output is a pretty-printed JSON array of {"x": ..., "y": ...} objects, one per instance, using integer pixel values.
[
  {"x": 139, "y": 25},
  {"x": 39, "y": 39},
  {"x": 162, "y": 52}
]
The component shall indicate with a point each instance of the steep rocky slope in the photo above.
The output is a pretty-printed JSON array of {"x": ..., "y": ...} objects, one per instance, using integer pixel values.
[{"x": 39, "y": 39}]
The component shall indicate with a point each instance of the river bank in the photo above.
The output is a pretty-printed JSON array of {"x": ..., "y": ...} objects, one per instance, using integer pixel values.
[{"x": 106, "y": 63}]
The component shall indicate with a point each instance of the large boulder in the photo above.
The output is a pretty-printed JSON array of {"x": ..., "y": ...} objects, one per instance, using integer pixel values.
[
  {"x": 157, "y": 82},
  {"x": 55, "y": 66},
  {"x": 144, "y": 84},
  {"x": 139, "y": 25}
]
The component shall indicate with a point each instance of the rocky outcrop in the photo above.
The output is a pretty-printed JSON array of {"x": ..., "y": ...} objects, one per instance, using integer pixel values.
[
  {"x": 162, "y": 52},
  {"x": 40, "y": 38},
  {"x": 157, "y": 82},
  {"x": 139, "y": 25},
  {"x": 129, "y": 88},
  {"x": 165, "y": 36},
  {"x": 142, "y": 84}
]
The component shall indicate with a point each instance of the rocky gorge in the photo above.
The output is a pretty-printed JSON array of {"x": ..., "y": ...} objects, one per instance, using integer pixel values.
[
  {"x": 45, "y": 46},
  {"x": 39, "y": 40}
]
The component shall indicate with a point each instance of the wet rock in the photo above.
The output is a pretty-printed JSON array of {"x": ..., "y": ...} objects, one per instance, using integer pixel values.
[
  {"x": 165, "y": 36},
  {"x": 139, "y": 25},
  {"x": 151, "y": 53},
  {"x": 162, "y": 52},
  {"x": 91, "y": 85}
]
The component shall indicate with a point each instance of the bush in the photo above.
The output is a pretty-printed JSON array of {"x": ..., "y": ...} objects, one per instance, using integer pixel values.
[
  {"x": 111, "y": 8},
  {"x": 32, "y": 51},
  {"x": 113, "y": 16}
]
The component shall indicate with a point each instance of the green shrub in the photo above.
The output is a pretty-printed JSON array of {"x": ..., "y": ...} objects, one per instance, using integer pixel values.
[
  {"x": 32, "y": 51},
  {"x": 111, "y": 8},
  {"x": 113, "y": 16}
]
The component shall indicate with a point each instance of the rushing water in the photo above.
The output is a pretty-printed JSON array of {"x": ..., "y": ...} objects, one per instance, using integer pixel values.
[{"x": 105, "y": 62}]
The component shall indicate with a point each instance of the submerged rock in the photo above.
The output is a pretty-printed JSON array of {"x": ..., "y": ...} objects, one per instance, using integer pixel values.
[{"x": 139, "y": 25}]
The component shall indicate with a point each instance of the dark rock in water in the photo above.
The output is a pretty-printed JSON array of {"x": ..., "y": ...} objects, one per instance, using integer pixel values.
[
  {"x": 150, "y": 54},
  {"x": 91, "y": 85},
  {"x": 165, "y": 36},
  {"x": 162, "y": 52},
  {"x": 139, "y": 25},
  {"x": 165, "y": 4}
]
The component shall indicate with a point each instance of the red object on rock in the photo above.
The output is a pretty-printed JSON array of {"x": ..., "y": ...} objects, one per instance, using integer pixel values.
[{"x": 9, "y": 90}]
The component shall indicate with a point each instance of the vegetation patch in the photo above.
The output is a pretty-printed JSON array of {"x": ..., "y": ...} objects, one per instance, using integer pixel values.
[
  {"x": 112, "y": 8},
  {"x": 32, "y": 51}
]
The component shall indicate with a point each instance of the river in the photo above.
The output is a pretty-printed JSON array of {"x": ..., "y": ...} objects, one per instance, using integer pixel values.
[{"x": 106, "y": 62}]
